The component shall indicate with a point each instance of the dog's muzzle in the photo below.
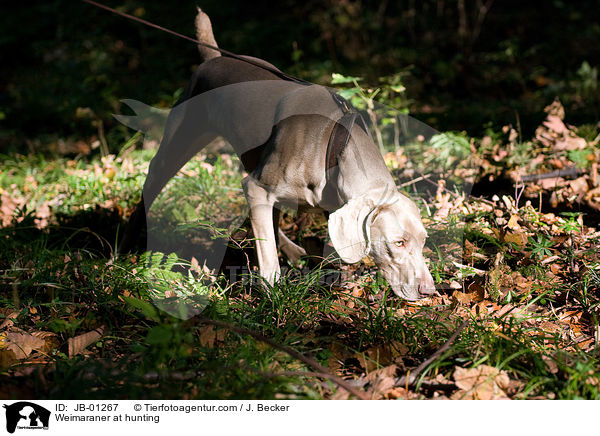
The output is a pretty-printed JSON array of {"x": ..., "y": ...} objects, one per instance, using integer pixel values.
[{"x": 411, "y": 282}]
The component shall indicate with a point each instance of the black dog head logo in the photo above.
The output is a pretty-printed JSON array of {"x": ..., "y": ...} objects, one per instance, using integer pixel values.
[{"x": 26, "y": 414}]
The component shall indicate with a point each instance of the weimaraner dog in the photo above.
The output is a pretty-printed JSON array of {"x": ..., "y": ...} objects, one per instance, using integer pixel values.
[{"x": 282, "y": 131}]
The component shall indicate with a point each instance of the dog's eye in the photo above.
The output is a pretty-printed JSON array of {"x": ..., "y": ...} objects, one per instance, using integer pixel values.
[{"x": 400, "y": 243}]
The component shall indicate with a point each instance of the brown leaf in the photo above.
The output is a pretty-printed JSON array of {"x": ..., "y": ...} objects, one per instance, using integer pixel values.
[
  {"x": 338, "y": 355},
  {"x": 375, "y": 357},
  {"x": 7, "y": 358},
  {"x": 517, "y": 238},
  {"x": 579, "y": 186},
  {"x": 513, "y": 222},
  {"x": 79, "y": 343},
  {"x": 455, "y": 285},
  {"x": 382, "y": 381},
  {"x": 555, "y": 124},
  {"x": 570, "y": 143},
  {"x": 209, "y": 336},
  {"x": 463, "y": 297},
  {"x": 481, "y": 383},
  {"x": 9, "y": 321},
  {"x": 398, "y": 349},
  {"x": 21, "y": 343},
  {"x": 50, "y": 340}
]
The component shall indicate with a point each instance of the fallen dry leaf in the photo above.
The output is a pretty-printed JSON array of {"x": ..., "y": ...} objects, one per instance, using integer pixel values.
[
  {"x": 462, "y": 297},
  {"x": 21, "y": 343},
  {"x": 475, "y": 294},
  {"x": 569, "y": 142},
  {"x": 9, "y": 321},
  {"x": 7, "y": 358},
  {"x": 338, "y": 355},
  {"x": 382, "y": 381},
  {"x": 78, "y": 343},
  {"x": 554, "y": 132},
  {"x": 555, "y": 124},
  {"x": 481, "y": 383},
  {"x": 209, "y": 336},
  {"x": 513, "y": 222},
  {"x": 374, "y": 357},
  {"x": 519, "y": 239},
  {"x": 50, "y": 340}
]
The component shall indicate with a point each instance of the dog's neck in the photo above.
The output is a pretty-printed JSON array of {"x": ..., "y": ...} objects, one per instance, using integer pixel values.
[{"x": 362, "y": 169}]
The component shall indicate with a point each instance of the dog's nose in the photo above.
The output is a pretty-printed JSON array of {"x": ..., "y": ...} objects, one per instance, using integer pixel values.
[{"x": 427, "y": 287}]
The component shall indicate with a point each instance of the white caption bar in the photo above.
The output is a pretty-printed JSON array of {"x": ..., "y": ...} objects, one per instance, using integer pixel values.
[{"x": 293, "y": 417}]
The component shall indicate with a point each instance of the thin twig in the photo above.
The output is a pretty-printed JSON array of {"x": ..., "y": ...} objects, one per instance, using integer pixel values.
[
  {"x": 320, "y": 369},
  {"x": 293, "y": 374},
  {"x": 103, "y": 144},
  {"x": 413, "y": 181},
  {"x": 411, "y": 378},
  {"x": 518, "y": 193},
  {"x": 481, "y": 200}
]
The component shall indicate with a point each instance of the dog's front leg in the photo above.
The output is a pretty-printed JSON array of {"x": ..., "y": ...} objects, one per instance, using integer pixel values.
[{"x": 261, "y": 216}]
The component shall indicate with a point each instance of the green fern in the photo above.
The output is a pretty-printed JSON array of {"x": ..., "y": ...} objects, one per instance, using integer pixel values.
[
  {"x": 160, "y": 276},
  {"x": 449, "y": 148}
]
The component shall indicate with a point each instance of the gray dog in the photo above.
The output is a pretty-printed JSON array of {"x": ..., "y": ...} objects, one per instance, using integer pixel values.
[{"x": 282, "y": 130}]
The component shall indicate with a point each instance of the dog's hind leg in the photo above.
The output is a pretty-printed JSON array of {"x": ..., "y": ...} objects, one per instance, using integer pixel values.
[
  {"x": 176, "y": 149},
  {"x": 291, "y": 250},
  {"x": 169, "y": 160}
]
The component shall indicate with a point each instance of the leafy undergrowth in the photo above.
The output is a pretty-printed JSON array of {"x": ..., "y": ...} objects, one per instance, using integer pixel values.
[{"x": 76, "y": 322}]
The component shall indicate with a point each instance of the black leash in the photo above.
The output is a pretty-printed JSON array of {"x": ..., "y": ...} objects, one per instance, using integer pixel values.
[
  {"x": 227, "y": 53},
  {"x": 342, "y": 130}
]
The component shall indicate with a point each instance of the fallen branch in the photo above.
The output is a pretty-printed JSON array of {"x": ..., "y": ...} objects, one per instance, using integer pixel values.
[
  {"x": 321, "y": 371},
  {"x": 410, "y": 379},
  {"x": 433, "y": 386},
  {"x": 308, "y": 374},
  {"x": 570, "y": 172},
  {"x": 293, "y": 374}
]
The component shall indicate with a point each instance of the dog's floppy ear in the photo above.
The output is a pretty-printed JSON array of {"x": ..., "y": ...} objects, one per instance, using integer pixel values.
[{"x": 350, "y": 228}]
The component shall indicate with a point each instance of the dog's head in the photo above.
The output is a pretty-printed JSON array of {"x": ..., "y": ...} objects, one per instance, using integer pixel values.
[{"x": 392, "y": 234}]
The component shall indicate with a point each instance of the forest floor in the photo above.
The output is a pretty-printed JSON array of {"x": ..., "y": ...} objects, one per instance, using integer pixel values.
[{"x": 522, "y": 269}]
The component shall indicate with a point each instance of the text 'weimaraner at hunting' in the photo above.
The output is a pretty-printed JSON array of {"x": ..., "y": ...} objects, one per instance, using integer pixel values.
[{"x": 302, "y": 147}]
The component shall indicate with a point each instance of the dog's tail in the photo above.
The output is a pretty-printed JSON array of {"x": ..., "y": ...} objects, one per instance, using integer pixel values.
[{"x": 204, "y": 34}]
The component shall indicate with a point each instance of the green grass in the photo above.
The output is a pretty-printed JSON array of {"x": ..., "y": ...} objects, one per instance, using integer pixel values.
[{"x": 58, "y": 275}]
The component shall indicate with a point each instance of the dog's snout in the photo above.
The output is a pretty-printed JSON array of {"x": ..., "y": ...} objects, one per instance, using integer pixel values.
[
  {"x": 427, "y": 286},
  {"x": 427, "y": 290}
]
